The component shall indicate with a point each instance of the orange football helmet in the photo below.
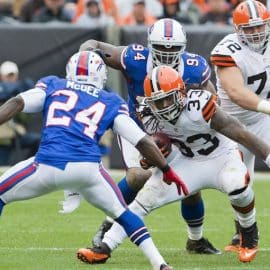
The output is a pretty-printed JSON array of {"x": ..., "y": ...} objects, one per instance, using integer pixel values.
[
  {"x": 164, "y": 92},
  {"x": 251, "y": 21}
]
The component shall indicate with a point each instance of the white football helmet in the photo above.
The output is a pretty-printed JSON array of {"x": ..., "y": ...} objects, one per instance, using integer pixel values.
[
  {"x": 166, "y": 41},
  {"x": 87, "y": 67}
]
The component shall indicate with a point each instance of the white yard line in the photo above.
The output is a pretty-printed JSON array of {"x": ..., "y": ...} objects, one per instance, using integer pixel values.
[{"x": 75, "y": 248}]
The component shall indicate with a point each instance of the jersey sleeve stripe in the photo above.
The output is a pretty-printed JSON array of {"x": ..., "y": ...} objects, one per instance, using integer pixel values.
[
  {"x": 206, "y": 75},
  {"x": 122, "y": 58},
  {"x": 209, "y": 115},
  {"x": 41, "y": 85},
  {"x": 123, "y": 109},
  {"x": 222, "y": 60},
  {"x": 209, "y": 108}
]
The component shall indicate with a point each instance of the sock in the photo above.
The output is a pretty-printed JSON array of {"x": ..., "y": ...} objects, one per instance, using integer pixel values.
[
  {"x": 2, "y": 204},
  {"x": 128, "y": 193},
  {"x": 193, "y": 215},
  {"x": 116, "y": 235},
  {"x": 140, "y": 236}
]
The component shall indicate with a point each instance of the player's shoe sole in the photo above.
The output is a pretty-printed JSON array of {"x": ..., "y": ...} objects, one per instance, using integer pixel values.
[{"x": 87, "y": 255}]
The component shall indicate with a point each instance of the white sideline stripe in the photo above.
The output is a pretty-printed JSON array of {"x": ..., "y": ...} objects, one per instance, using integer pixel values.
[{"x": 76, "y": 248}]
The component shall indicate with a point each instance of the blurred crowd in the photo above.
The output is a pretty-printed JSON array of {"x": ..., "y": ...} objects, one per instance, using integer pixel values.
[{"x": 99, "y": 13}]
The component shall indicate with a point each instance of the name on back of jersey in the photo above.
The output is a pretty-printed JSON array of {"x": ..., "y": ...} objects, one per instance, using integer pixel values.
[{"x": 88, "y": 89}]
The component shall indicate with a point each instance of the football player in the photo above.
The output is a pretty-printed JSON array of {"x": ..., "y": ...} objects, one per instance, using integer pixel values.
[
  {"x": 76, "y": 113},
  {"x": 204, "y": 155},
  {"x": 166, "y": 45},
  {"x": 243, "y": 77}
]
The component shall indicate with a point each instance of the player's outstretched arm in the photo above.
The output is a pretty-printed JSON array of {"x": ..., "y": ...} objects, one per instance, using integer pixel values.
[
  {"x": 232, "y": 82},
  {"x": 111, "y": 54},
  {"x": 11, "y": 108},
  {"x": 233, "y": 129}
]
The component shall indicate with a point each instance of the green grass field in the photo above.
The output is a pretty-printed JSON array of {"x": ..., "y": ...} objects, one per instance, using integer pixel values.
[{"x": 34, "y": 236}]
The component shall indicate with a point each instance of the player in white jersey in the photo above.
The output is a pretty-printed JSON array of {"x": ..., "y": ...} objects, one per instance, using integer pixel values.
[
  {"x": 242, "y": 65},
  {"x": 77, "y": 111},
  {"x": 166, "y": 46},
  {"x": 204, "y": 157}
]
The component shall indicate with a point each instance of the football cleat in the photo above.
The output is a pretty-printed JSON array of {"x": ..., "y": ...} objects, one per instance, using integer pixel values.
[
  {"x": 202, "y": 246},
  {"x": 165, "y": 267},
  {"x": 94, "y": 255},
  {"x": 98, "y": 237},
  {"x": 249, "y": 238},
  {"x": 235, "y": 243}
]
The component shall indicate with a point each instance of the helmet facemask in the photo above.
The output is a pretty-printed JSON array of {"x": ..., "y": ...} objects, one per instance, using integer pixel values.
[
  {"x": 255, "y": 40},
  {"x": 166, "y": 55},
  {"x": 167, "y": 106}
]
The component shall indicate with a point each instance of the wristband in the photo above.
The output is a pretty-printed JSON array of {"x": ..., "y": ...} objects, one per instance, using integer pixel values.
[
  {"x": 264, "y": 106},
  {"x": 167, "y": 167}
]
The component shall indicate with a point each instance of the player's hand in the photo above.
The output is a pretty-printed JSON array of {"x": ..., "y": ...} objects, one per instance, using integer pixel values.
[
  {"x": 101, "y": 53},
  {"x": 169, "y": 176},
  {"x": 145, "y": 164}
]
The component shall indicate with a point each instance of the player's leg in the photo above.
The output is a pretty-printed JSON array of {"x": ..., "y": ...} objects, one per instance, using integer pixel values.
[
  {"x": 130, "y": 185},
  {"x": 192, "y": 210},
  {"x": 154, "y": 194},
  {"x": 235, "y": 182},
  {"x": 23, "y": 181},
  {"x": 29, "y": 179},
  {"x": 261, "y": 129},
  {"x": 104, "y": 194},
  {"x": 249, "y": 160}
]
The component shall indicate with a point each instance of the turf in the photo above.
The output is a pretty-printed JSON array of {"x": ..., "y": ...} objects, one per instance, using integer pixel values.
[{"x": 33, "y": 236}]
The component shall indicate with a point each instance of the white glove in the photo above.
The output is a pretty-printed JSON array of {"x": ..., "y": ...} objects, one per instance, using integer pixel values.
[{"x": 71, "y": 202}]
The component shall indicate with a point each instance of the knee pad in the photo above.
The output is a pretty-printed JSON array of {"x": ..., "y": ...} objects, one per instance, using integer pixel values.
[
  {"x": 136, "y": 177},
  {"x": 242, "y": 200}
]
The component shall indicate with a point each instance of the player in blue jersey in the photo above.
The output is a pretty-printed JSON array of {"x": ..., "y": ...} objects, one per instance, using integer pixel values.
[
  {"x": 76, "y": 113},
  {"x": 166, "y": 45}
]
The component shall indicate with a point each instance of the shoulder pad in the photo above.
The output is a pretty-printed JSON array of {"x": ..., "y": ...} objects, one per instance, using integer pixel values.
[
  {"x": 225, "y": 52},
  {"x": 44, "y": 82},
  {"x": 134, "y": 58},
  {"x": 196, "y": 69},
  {"x": 201, "y": 105}
]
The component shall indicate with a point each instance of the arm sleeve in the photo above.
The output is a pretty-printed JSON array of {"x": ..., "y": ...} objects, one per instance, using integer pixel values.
[
  {"x": 33, "y": 100},
  {"x": 128, "y": 129}
]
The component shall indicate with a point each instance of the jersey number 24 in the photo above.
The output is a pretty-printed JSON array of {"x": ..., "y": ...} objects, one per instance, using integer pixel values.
[{"x": 90, "y": 117}]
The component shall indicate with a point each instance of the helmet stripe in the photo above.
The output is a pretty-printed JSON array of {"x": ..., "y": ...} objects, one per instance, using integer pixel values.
[
  {"x": 168, "y": 28},
  {"x": 82, "y": 65},
  {"x": 154, "y": 80},
  {"x": 252, "y": 8}
]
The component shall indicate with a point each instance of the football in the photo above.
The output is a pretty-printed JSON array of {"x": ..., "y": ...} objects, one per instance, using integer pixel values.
[{"x": 163, "y": 142}]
